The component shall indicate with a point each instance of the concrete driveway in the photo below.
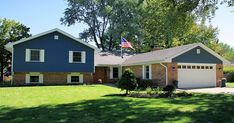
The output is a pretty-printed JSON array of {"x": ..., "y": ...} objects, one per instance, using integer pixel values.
[{"x": 211, "y": 90}]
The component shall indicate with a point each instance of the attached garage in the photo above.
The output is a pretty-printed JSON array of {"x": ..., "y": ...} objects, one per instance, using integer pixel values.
[{"x": 196, "y": 75}]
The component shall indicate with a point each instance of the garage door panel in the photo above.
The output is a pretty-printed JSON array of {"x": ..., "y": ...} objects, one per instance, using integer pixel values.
[{"x": 195, "y": 78}]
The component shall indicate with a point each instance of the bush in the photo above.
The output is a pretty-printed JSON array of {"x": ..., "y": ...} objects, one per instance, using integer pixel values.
[
  {"x": 128, "y": 81},
  {"x": 143, "y": 84},
  {"x": 169, "y": 89},
  {"x": 229, "y": 73}
]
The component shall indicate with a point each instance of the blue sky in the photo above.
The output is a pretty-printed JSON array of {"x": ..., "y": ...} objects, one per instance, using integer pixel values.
[{"x": 43, "y": 15}]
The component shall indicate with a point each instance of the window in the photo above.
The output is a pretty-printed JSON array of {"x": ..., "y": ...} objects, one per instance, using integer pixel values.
[
  {"x": 115, "y": 72},
  {"x": 207, "y": 67},
  {"x": 198, "y": 51},
  {"x": 188, "y": 67},
  {"x": 34, "y": 79},
  {"x": 198, "y": 67},
  {"x": 77, "y": 57},
  {"x": 147, "y": 72},
  {"x": 184, "y": 66},
  {"x": 179, "y": 67},
  {"x": 75, "y": 79},
  {"x": 34, "y": 55},
  {"x": 193, "y": 67},
  {"x": 56, "y": 37},
  {"x": 211, "y": 67},
  {"x": 202, "y": 67}
]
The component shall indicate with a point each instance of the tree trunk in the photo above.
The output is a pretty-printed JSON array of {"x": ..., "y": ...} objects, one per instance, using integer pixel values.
[
  {"x": 126, "y": 92},
  {"x": 110, "y": 44},
  {"x": 1, "y": 79},
  {"x": 102, "y": 45}
]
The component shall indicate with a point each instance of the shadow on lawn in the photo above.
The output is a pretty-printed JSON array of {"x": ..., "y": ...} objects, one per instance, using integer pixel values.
[{"x": 211, "y": 108}]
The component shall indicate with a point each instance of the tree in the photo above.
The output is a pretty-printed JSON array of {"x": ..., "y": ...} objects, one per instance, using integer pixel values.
[
  {"x": 10, "y": 31},
  {"x": 107, "y": 20},
  {"x": 128, "y": 81}
]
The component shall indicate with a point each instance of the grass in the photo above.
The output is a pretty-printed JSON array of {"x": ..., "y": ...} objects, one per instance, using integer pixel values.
[
  {"x": 230, "y": 84},
  {"x": 95, "y": 104}
]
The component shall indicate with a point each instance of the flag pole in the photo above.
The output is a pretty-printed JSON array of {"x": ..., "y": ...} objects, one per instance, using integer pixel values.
[{"x": 121, "y": 47}]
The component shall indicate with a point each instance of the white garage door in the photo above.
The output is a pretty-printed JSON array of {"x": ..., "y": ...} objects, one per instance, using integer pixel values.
[{"x": 196, "y": 75}]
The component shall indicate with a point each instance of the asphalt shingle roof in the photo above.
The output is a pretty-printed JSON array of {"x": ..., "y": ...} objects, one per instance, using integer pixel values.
[{"x": 158, "y": 55}]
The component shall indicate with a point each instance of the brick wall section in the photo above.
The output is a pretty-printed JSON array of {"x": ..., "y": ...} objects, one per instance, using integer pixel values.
[
  {"x": 51, "y": 78},
  {"x": 219, "y": 74},
  {"x": 158, "y": 75},
  {"x": 19, "y": 78},
  {"x": 137, "y": 69},
  {"x": 172, "y": 72}
]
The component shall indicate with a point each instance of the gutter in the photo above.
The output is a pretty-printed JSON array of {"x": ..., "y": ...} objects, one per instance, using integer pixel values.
[{"x": 166, "y": 72}]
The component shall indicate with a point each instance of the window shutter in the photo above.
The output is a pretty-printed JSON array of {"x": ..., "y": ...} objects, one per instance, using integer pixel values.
[
  {"x": 42, "y": 55},
  {"x": 41, "y": 78},
  {"x": 111, "y": 72},
  {"x": 27, "y": 55},
  {"x": 83, "y": 55},
  {"x": 68, "y": 78},
  {"x": 27, "y": 78},
  {"x": 81, "y": 78},
  {"x": 70, "y": 56}
]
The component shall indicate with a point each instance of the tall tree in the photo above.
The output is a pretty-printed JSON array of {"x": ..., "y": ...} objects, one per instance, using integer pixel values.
[
  {"x": 10, "y": 31},
  {"x": 107, "y": 20}
]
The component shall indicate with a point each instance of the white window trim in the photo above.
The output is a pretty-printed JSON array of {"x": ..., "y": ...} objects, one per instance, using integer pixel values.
[
  {"x": 81, "y": 77},
  {"x": 119, "y": 72},
  {"x": 27, "y": 77},
  {"x": 143, "y": 71},
  {"x": 28, "y": 55},
  {"x": 83, "y": 57}
]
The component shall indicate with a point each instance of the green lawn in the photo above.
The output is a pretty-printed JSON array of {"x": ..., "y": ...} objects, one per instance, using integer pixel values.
[
  {"x": 230, "y": 84},
  {"x": 94, "y": 103}
]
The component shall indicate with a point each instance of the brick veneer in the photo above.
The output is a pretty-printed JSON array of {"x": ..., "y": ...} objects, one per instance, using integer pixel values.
[
  {"x": 219, "y": 74},
  {"x": 158, "y": 73},
  {"x": 51, "y": 78}
]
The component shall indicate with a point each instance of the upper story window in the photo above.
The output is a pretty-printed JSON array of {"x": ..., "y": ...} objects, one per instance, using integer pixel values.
[
  {"x": 34, "y": 55},
  {"x": 198, "y": 51},
  {"x": 77, "y": 57}
]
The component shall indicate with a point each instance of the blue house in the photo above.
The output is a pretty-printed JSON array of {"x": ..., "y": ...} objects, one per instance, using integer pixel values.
[
  {"x": 52, "y": 57},
  {"x": 56, "y": 57}
]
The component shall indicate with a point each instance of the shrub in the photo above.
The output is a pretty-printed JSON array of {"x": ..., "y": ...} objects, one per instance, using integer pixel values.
[
  {"x": 158, "y": 90},
  {"x": 145, "y": 83},
  {"x": 127, "y": 81},
  {"x": 169, "y": 89},
  {"x": 229, "y": 73},
  {"x": 175, "y": 83},
  {"x": 149, "y": 91}
]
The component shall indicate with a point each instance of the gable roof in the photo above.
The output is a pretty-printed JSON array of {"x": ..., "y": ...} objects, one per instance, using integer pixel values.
[
  {"x": 9, "y": 46},
  {"x": 167, "y": 55}
]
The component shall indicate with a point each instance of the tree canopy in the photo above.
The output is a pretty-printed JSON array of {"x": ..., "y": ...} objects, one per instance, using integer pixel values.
[
  {"x": 10, "y": 31},
  {"x": 146, "y": 23}
]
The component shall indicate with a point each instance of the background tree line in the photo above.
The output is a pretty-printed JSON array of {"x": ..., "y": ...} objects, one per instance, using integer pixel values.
[{"x": 147, "y": 23}]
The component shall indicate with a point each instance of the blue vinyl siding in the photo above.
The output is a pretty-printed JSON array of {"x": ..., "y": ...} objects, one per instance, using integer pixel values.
[
  {"x": 191, "y": 56},
  {"x": 56, "y": 55}
]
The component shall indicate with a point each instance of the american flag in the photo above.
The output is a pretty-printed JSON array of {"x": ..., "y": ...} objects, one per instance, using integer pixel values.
[{"x": 125, "y": 43}]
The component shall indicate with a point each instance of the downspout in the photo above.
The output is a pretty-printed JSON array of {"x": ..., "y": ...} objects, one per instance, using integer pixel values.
[{"x": 166, "y": 72}]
